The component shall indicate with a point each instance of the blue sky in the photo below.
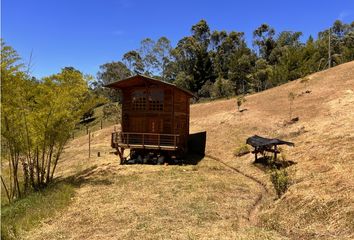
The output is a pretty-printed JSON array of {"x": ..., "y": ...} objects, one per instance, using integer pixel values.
[{"x": 88, "y": 33}]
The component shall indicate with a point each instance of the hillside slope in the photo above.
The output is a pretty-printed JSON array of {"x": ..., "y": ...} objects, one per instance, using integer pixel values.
[
  {"x": 209, "y": 200},
  {"x": 321, "y": 202}
]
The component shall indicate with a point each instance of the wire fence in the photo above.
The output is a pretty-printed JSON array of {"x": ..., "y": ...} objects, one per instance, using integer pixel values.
[{"x": 83, "y": 130}]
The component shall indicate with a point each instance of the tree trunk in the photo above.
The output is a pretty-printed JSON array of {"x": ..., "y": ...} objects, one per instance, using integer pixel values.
[
  {"x": 7, "y": 192},
  {"x": 60, "y": 149},
  {"x": 26, "y": 176},
  {"x": 49, "y": 163},
  {"x": 37, "y": 168}
]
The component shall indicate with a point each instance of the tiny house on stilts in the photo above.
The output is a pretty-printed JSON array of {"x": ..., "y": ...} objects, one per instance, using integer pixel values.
[{"x": 155, "y": 119}]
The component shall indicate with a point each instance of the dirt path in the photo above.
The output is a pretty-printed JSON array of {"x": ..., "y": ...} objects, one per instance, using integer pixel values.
[{"x": 252, "y": 218}]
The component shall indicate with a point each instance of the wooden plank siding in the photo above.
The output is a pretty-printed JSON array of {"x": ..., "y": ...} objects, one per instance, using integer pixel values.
[{"x": 153, "y": 109}]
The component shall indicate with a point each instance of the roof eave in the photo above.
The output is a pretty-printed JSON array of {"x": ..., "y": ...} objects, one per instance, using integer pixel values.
[{"x": 111, "y": 85}]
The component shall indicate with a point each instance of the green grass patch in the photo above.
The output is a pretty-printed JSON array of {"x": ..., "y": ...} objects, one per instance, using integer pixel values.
[
  {"x": 242, "y": 150},
  {"x": 281, "y": 181},
  {"x": 26, "y": 213}
]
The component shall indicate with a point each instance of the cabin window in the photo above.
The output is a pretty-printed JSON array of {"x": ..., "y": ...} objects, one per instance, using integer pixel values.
[
  {"x": 156, "y": 98},
  {"x": 139, "y": 100}
]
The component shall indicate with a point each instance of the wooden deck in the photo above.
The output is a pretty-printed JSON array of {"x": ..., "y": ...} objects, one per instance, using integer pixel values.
[{"x": 145, "y": 140}]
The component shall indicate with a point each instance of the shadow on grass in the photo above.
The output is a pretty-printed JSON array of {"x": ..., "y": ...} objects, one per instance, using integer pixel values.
[
  {"x": 193, "y": 159},
  {"x": 267, "y": 163},
  {"x": 88, "y": 176}
]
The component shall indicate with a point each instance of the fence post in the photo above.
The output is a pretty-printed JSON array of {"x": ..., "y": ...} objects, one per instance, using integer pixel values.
[
  {"x": 89, "y": 144},
  {"x": 101, "y": 124}
]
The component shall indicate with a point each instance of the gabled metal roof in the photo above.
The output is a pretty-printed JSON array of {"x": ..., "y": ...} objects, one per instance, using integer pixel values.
[
  {"x": 142, "y": 79},
  {"x": 257, "y": 141}
]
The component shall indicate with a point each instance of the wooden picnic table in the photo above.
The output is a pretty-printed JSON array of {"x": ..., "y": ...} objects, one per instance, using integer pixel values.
[{"x": 262, "y": 144}]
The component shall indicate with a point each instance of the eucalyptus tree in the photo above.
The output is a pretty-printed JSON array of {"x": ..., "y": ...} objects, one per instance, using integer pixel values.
[
  {"x": 263, "y": 39},
  {"x": 162, "y": 50},
  {"x": 108, "y": 73},
  {"x": 134, "y": 62}
]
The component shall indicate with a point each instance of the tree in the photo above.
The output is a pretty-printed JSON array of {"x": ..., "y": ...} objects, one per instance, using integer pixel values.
[
  {"x": 148, "y": 56},
  {"x": 309, "y": 57},
  {"x": 37, "y": 119},
  {"x": 13, "y": 116},
  {"x": 261, "y": 75},
  {"x": 201, "y": 33},
  {"x": 110, "y": 72},
  {"x": 226, "y": 49},
  {"x": 192, "y": 56},
  {"x": 240, "y": 68},
  {"x": 240, "y": 100},
  {"x": 291, "y": 98},
  {"x": 163, "y": 54},
  {"x": 263, "y": 38},
  {"x": 59, "y": 102},
  {"x": 222, "y": 88},
  {"x": 184, "y": 81},
  {"x": 134, "y": 62}
]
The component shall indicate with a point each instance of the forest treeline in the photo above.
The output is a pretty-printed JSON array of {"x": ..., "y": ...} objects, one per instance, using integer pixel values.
[{"x": 215, "y": 64}]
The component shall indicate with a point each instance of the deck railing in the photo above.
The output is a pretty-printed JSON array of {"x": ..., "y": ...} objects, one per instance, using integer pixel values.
[{"x": 145, "y": 140}]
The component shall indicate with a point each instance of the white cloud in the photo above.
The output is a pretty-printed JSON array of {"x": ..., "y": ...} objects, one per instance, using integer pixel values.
[
  {"x": 344, "y": 14},
  {"x": 118, "y": 32},
  {"x": 126, "y": 3}
]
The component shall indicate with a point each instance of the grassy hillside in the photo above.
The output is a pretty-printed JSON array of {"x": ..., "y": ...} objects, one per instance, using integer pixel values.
[
  {"x": 321, "y": 202},
  {"x": 224, "y": 197}
]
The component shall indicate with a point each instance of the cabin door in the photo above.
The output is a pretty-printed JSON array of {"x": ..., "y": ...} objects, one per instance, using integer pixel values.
[{"x": 154, "y": 127}]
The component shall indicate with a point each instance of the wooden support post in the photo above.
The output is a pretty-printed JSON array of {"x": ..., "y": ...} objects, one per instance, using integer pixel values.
[
  {"x": 275, "y": 152},
  {"x": 89, "y": 144},
  {"x": 101, "y": 124},
  {"x": 121, "y": 155}
]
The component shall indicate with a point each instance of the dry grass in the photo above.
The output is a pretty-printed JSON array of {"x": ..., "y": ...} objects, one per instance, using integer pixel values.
[
  {"x": 321, "y": 203},
  {"x": 156, "y": 202},
  {"x": 209, "y": 201}
]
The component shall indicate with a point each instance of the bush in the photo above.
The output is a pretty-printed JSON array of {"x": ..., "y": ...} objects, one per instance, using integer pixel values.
[
  {"x": 242, "y": 150},
  {"x": 281, "y": 181},
  {"x": 240, "y": 100}
]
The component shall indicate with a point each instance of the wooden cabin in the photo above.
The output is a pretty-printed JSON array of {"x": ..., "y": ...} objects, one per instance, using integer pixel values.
[{"x": 155, "y": 117}]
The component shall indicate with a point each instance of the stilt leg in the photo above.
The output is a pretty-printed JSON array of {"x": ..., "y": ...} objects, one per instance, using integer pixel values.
[{"x": 121, "y": 155}]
